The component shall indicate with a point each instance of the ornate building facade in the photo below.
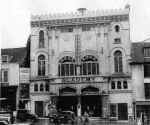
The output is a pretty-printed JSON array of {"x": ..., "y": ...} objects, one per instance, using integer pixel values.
[{"x": 80, "y": 62}]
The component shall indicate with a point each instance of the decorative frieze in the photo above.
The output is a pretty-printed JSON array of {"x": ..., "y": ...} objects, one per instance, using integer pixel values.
[{"x": 90, "y": 17}]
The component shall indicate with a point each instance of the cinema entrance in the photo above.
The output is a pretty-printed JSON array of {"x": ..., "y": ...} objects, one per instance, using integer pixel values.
[
  {"x": 88, "y": 101},
  {"x": 91, "y": 101},
  {"x": 67, "y": 100}
]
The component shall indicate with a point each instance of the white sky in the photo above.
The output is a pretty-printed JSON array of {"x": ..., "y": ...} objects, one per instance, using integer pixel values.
[{"x": 15, "y": 19}]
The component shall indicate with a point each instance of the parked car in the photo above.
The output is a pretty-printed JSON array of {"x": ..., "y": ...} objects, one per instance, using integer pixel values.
[
  {"x": 3, "y": 122},
  {"x": 6, "y": 116},
  {"x": 24, "y": 115},
  {"x": 65, "y": 117}
]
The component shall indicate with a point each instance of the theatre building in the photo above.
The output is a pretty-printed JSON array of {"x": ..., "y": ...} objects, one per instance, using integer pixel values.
[{"x": 80, "y": 62}]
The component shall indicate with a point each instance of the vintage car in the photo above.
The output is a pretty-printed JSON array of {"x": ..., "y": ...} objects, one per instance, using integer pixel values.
[
  {"x": 6, "y": 116},
  {"x": 65, "y": 117},
  {"x": 25, "y": 115}
]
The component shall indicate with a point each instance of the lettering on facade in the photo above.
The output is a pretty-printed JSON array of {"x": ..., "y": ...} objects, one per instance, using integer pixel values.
[{"x": 78, "y": 79}]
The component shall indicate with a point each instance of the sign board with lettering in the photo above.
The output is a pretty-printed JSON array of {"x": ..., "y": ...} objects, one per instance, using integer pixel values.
[{"x": 24, "y": 75}]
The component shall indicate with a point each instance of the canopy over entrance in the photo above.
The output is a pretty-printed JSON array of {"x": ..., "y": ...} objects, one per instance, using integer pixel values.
[
  {"x": 90, "y": 90},
  {"x": 67, "y": 91}
]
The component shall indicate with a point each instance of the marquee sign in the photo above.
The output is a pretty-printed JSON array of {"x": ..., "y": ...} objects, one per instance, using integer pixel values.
[{"x": 78, "y": 79}]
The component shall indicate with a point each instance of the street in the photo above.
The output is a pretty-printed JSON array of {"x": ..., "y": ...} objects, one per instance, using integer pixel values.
[{"x": 46, "y": 122}]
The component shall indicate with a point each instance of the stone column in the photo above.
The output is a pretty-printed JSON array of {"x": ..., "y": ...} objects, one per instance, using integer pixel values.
[{"x": 105, "y": 106}]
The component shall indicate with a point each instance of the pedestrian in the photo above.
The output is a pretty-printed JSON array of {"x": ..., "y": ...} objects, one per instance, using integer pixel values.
[{"x": 86, "y": 119}]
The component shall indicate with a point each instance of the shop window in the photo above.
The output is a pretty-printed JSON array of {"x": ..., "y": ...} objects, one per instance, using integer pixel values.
[
  {"x": 147, "y": 90},
  {"x": 35, "y": 87},
  {"x": 89, "y": 65},
  {"x": 122, "y": 111},
  {"x": 41, "y": 39},
  {"x": 147, "y": 70},
  {"x": 113, "y": 110},
  {"x": 117, "y": 28},
  {"x": 41, "y": 87},
  {"x": 118, "y": 85},
  {"x": 41, "y": 65},
  {"x": 125, "y": 85},
  {"x": 118, "y": 62},
  {"x": 117, "y": 40},
  {"x": 113, "y": 86}
]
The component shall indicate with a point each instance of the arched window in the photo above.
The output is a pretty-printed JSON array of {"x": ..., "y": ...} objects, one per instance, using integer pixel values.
[
  {"x": 35, "y": 87},
  {"x": 41, "y": 65},
  {"x": 67, "y": 66},
  {"x": 41, "y": 87},
  {"x": 117, "y": 28},
  {"x": 89, "y": 65},
  {"x": 118, "y": 62},
  {"x": 47, "y": 87},
  {"x": 119, "y": 85},
  {"x": 41, "y": 39}
]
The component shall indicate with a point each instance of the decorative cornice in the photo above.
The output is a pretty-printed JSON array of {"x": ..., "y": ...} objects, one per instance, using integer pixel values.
[{"x": 90, "y": 17}]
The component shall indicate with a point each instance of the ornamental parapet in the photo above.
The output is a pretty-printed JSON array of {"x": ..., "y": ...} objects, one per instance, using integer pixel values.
[{"x": 78, "y": 18}]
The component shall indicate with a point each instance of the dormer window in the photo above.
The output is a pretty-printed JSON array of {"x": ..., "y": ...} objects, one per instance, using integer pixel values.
[
  {"x": 117, "y": 28},
  {"x": 5, "y": 58}
]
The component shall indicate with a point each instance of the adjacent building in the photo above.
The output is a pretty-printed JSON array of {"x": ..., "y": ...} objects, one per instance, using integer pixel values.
[
  {"x": 13, "y": 62},
  {"x": 140, "y": 66},
  {"x": 80, "y": 62}
]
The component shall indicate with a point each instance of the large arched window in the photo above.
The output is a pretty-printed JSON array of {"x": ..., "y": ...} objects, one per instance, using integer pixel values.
[
  {"x": 66, "y": 66},
  {"x": 89, "y": 65},
  {"x": 41, "y": 39},
  {"x": 41, "y": 65},
  {"x": 118, "y": 62}
]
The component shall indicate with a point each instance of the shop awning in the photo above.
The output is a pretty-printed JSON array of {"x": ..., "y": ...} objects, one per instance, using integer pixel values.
[{"x": 143, "y": 102}]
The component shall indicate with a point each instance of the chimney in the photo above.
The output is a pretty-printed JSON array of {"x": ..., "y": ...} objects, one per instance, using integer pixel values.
[{"x": 82, "y": 10}]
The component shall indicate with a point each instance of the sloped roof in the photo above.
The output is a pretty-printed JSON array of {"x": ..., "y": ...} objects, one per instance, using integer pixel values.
[
  {"x": 15, "y": 55},
  {"x": 137, "y": 51}
]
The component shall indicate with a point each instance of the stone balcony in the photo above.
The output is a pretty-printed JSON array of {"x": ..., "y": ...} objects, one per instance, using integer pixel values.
[{"x": 71, "y": 79}]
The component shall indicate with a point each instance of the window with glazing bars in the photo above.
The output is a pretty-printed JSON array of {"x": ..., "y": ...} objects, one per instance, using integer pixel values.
[
  {"x": 41, "y": 65},
  {"x": 118, "y": 66},
  {"x": 67, "y": 66},
  {"x": 89, "y": 65}
]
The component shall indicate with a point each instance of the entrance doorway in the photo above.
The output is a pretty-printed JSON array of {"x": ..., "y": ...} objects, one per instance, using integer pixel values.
[
  {"x": 91, "y": 101},
  {"x": 67, "y": 103},
  {"x": 92, "y": 105},
  {"x": 67, "y": 99},
  {"x": 39, "y": 108}
]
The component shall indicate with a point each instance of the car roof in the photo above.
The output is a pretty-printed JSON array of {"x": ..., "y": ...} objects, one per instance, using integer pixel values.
[{"x": 68, "y": 112}]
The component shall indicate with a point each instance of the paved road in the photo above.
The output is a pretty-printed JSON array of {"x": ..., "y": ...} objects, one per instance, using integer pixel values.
[{"x": 46, "y": 122}]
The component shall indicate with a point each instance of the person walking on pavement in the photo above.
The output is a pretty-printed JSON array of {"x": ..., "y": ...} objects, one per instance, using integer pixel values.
[{"x": 86, "y": 119}]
